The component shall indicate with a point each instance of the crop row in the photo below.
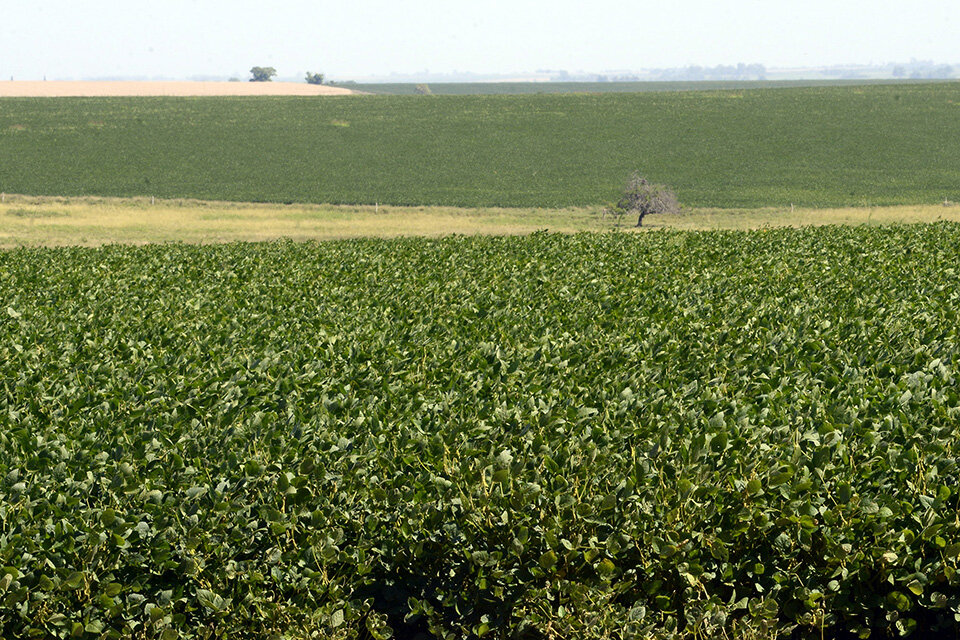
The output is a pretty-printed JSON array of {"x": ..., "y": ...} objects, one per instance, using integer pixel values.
[
  {"x": 876, "y": 144},
  {"x": 612, "y": 435}
]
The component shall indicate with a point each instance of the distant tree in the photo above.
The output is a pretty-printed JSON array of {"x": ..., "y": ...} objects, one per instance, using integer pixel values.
[
  {"x": 314, "y": 78},
  {"x": 641, "y": 198},
  {"x": 262, "y": 74},
  {"x": 422, "y": 90}
]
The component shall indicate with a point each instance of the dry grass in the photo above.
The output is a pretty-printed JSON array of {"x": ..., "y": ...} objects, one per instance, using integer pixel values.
[
  {"x": 36, "y": 221},
  {"x": 790, "y": 217},
  {"x": 52, "y": 221}
]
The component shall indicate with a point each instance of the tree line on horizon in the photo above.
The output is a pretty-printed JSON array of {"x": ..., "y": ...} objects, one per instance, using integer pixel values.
[{"x": 266, "y": 74}]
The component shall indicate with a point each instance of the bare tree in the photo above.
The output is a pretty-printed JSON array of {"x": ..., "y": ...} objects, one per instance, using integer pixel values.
[{"x": 641, "y": 198}]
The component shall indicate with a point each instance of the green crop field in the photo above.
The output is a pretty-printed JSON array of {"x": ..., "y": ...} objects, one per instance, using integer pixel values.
[
  {"x": 663, "y": 435},
  {"x": 823, "y": 146},
  {"x": 501, "y": 88}
]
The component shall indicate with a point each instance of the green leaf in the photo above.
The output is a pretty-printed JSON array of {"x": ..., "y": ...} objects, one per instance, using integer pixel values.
[
  {"x": 154, "y": 612},
  {"x": 844, "y": 493},
  {"x": 606, "y": 568},
  {"x": 108, "y": 517},
  {"x": 212, "y": 601},
  {"x": 548, "y": 560},
  {"x": 74, "y": 581},
  {"x": 899, "y": 601}
]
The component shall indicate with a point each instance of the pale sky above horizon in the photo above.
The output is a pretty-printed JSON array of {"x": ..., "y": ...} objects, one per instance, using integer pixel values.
[{"x": 61, "y": 39}]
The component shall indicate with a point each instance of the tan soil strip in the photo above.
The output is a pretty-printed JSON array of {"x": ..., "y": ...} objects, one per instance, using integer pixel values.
[{"x": 24, "y": 89}]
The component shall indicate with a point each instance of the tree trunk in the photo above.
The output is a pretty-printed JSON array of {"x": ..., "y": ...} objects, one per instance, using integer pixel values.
[{"x": 640, "y": 220}]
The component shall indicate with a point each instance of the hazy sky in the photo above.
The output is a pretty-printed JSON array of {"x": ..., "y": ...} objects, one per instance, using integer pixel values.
[{"x": 182, "y": 38}]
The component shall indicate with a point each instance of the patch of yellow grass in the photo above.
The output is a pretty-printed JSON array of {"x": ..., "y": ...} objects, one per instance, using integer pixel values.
[
  {"x": 797, "y": 217},
  {"x": 32, "y": 221},
  {"x": 52, "y": 221}
]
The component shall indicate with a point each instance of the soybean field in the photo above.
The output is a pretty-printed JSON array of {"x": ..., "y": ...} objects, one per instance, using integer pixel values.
[
  {"x": 812, "y": 147},
  {"x": 662, "y": 435}
]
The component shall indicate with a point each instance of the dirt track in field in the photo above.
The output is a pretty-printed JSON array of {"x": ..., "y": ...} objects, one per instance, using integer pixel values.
[{"x": 57, "y": 89}]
